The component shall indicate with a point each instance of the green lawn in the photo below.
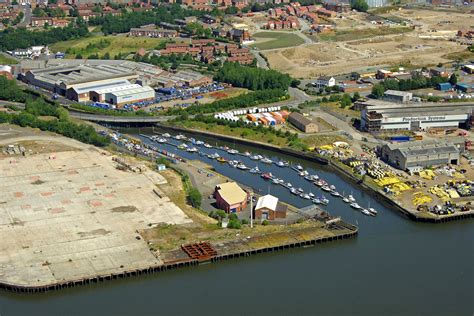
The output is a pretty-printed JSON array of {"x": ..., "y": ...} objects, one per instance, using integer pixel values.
[
  {"x": 105, "y": 44},
  {"x": 279, "y": 40},
  {"x": 346, "y": 35},
  {"x": 5, "y": 60}
]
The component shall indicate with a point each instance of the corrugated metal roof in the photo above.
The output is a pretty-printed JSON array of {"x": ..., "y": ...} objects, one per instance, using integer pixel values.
[{"x": 267, "y": 201}]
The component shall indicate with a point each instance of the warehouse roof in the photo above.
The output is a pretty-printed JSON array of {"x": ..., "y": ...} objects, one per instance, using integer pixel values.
[
  {"x": 397, "y": 93},
  {"x": 231, "y": 192},
  {"x": 300, "y": 118},
  {"x": 426, "y": 147},
  {"x": 96, "y": 86},
  {"x": 267, "y": 201},
  {"x": 133, "y": 90},
  {"x": 116, "y": 88}
]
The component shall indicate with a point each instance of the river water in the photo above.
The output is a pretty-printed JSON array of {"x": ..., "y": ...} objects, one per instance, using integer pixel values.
[{"x": 394, "y": 267}]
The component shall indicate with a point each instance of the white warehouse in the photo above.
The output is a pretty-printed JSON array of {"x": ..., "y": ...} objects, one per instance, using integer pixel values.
[{"x": 124, "y": 94}]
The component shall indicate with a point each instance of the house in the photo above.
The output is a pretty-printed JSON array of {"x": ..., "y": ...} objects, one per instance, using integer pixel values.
[
  {"x": 268, "y": 208},
  {"x": 468, "y": 69},
  {"x": 230, "y": 197},
  {"x": 397, "y": 96},
  {"x": 383, "y": 74},
  {"x": 440, "y": 72},
  {"x": 238, "y": 35},
  {"x": 324, "y": 81},
  {"x": 303, "y": 123}
]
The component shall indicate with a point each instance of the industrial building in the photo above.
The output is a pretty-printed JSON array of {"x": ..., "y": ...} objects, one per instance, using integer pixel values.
[
  {"x": 383, "y": 116},
  {"x": 303, "y": 123},
  {"x": 426, "y": 153},
  {"x": 397, "y": 96},
  {"x": 123, "y": 94},
  {"x": 80, "y": 78},
  {"x": 230, "y": 197},
  {"x": 268, "y": 208}
]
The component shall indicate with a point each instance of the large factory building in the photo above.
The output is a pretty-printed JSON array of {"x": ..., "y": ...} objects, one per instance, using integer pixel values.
[{"x": 383, "y": 116}]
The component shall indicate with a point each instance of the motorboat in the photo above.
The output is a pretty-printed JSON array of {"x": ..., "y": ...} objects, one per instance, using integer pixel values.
[
  {"x": 166, "y": 135},
  {"x": 319, "y": 182},
  {"x": 233, "y": 163},
  {"x": 255, "y": 170},
  {"x": 335, "y": 193},
  {"x": 247, "y": 154},
  {"x": 311, "y": 195},
  {"x": 233, "y": 151},
  {"x": 267, "y": 175},
  {"x": 294, "y": 191},
  {"x": 332, "y": 187},
  {"x": 372, "y": 211},
  {"x": 299, "y": 167},
  {"x": 351, "y": 198},
  {"x": 300, "y": 190},
  {"x": 162, "y": 140},
  {"x": 183, "y": 146},
  {"x": 192, "y": 150},
  {"x": 289, "y": 185},
  {"x": 199, "y": 143},
  {"x": 242, "y": 166},
  {"x": 221, "y": 159},
  {"x": 256, "y": 157},
  {"x": 308, "y": 177},
  {"x": 213, "y": 156},
  {"x": 326, "y": 188},
  {"x": 305, "y": 196},
  {"x": 275, "y": 181},
  {"x": 207, "y": 145},
  {"x": 346, "y": 200},
  {"x": 314, "y": 177},
  {"x": 282, "y": 164},
  {"x": 355, "y": 205},
  {"x": 366, "y": 212},
  {"x": 267, "y": 160},
  {"x": 316, "y": 201},
  {"x": 180, "y": 137},
  {"x": 323, "y": 200},
  {"x": 303, "y": 173},
  {"x": 192, "y": 140}
]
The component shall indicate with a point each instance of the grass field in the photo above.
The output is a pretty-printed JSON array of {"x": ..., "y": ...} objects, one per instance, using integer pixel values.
[
  {"x": 5, "y": 60},
  {"x": 346, "y": 35},
  {"x": 105, "y": 44},
  {"x": 464, "y": 55},
  {"x": 278, "y": 40}
]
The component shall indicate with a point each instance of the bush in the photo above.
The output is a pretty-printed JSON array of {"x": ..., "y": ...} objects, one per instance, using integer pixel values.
[
  {"x": 234, "y": 224},
  {"x": 265, "y": 222},
  {"x": 244, "y": 222}
]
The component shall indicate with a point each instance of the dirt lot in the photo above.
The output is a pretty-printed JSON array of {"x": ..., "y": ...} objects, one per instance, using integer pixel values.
[{"x": 420, "y": 47}]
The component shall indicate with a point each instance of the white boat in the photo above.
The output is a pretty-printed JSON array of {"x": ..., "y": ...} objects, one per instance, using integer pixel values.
[
  {"x": 213, "y": 156},
  {"x": 183, "y": 146},
  {"x": 309, "y": 178},
  {"x": 311, "y": 195},
  {"x": 233, "y": 151},
  {"x": 166, "y": 135},
  {"x": 306, "y": 196},
  {"x": 351, "y": 198},
  {"x": 162, "y": 140},
  {"x": 267, "y": 161},
  {"x": 316, "y": 201},
  {"x": 326, "y": 188},
  {"x": 345, "y": 199},
  {"x": 300, "y": 190},
  {"x": 294, "y": 191},
  {"x": 355, "y": 205},
  {"x": 299, "y": 167},
  {"x": 289, "y": 185},
  {"x": 207, "y": 145},
  {"x": 372, "y": 211},
  {"x": 192, "y": 150},
  {"x": 303, "y": 173},
  {"x": 199, "y": 143},
  {"x": 366, "y": 212},
  {"x": 255, "y": 170},
  {"x": 314, "y": 177},
  {"x": 180, "y": 136},
  {"x": 255, "y": 157},
  {"x": 332, "y": 187},
  {"x": 242, "y": 166},
  {"x": 247, "y": 154},
  {"x": 319, "y": 182},
  {"x": 335, "y": 193},
  {"x": 275, "y": 181},
  {"x": 323, "y": 200},
  {"x": 282, "y": 164}
]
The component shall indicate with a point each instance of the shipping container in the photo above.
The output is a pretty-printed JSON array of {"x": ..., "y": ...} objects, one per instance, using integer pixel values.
[{"x": 400, "y": 138}]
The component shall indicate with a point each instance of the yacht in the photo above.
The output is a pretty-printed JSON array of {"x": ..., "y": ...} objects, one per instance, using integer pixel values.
[
  {"x": 233, "y": 163},
  {"x": 319, "y": 182},
  {"x": 255, "y": 170},
  {"x": 332, "y": 187},
  {"x": 372, "y": 211},
  {"x": 166, "y": 135},
  {"x": 162, "y": 140},
  {"x": 355, "y": 205},
  {"x": 309, "y": 178},
  {"x": 335, "y": 193},
  {"x": 323, "y": 200},
  {"x": 247, "y": 154},
  {"x": 207, "y": 145},
  {"x": 275, "y": 181},
  {"x": 199, "y": 143},
  {"x": 289, "y": 185},
  {"x": 180, "y": 137},
  {"x": 183, "y": 146},
  {"x": 326, "y": 188},
  {"x": 254, "y": 157},
  {"x": 267, "y": 161},
  {"x": 282, "y": 164},
  {"x": 305, "y": 196},
  {"x": 299, "y": 167},
  {"x": 346, "y": 200},
  {"x": 366, "y": 212},
  {"x": 242, "y": 166},
  {"x": 314, "y": 177},
  {"x": 192, "y": 150},
  {"x": 351, "y": 198},
  {"x": 316, "y": 201},
  {"x": 213, "y": 156},
  {"x": 311, "y": 195},
  {"x": 267, "y": 175},
  {"x": 300, "y": 190},
  {"x": 294, "y": 191},
  {"x": 303, "y": 173},
  {"x": 233, "y": 151}
]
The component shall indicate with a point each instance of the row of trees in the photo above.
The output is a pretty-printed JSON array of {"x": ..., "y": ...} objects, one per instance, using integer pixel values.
[
  {"x": 123, "y": 23},
  {"x": 418, "y": 82},
  {"x": 241, "y": 101},
  {"x": 11, "y": 39},
  {"x": 253, "y": 78}
]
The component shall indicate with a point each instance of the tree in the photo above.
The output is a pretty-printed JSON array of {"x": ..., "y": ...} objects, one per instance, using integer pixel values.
[
  {"x": 378, "y": 90},
  {"x": 79, "y": 56},
  {"x": 194, "y": 197},
  {"x": 453, "y": 80},
  {"x": 356, "y": 96},
  {"x": 345, "y": 100},
  {"x": 360, "y": 5}
]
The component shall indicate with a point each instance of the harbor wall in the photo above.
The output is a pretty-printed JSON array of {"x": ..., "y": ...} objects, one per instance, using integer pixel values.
[{"x": 351, "y": 232}]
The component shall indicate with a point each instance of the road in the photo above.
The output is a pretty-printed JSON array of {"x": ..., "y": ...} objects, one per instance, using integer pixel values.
[
  {"x": 26, "y": 15},
  {"x": 261, "y": 62}
]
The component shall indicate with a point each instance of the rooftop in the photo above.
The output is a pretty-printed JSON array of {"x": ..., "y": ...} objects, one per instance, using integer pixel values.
[
  {"x": 267, "y": 201},
  {"x": 300, "y": 118},
  {"x": 397, "y": 93},
  {"x": 231, "y": 192},
  {"x": 425, "y": 147}
]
